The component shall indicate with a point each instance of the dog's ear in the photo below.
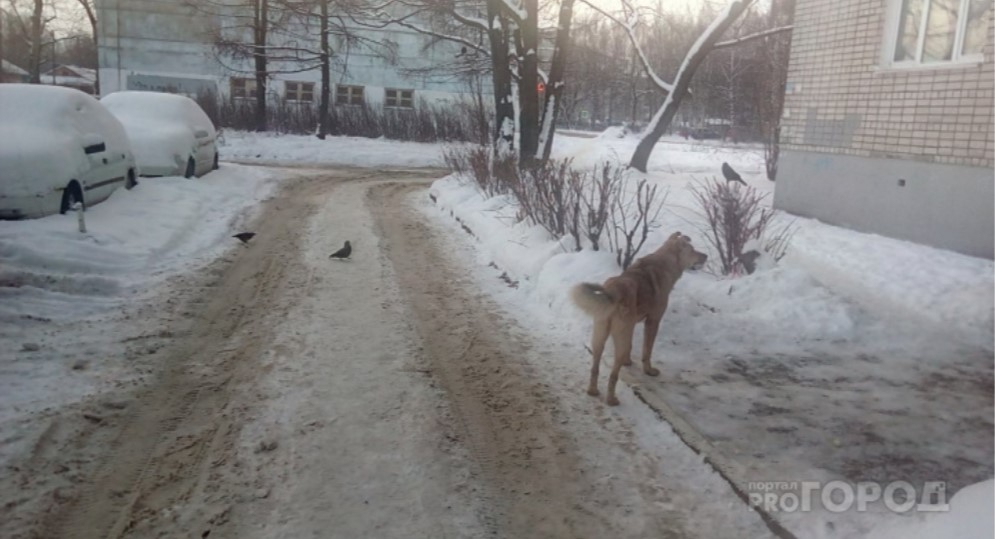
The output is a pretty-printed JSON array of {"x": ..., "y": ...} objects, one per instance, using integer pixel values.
[{"x": 686, "y": 238}]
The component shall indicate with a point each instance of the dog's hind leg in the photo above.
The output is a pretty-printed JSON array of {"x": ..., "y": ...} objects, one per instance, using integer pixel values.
[
  {"x": 598, "y": 338},
  {"x": 622, "y": 340},
  {"x": 649, "y": 337}
]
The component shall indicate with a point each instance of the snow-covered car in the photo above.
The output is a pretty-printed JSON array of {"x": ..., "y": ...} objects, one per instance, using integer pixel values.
[
  {"x": 58, "y": 146},
  {"x": 170, "y": 133}
]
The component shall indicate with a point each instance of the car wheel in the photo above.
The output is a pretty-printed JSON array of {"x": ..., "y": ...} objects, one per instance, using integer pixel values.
[
  {"x": 191, "y": 169},
  {"x": 131, "y": 182},
  {"x": 70, "y": 196},
  {"x": 215, "y": 166}
]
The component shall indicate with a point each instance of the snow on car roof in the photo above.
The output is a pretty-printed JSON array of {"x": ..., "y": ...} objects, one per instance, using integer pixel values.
[
  {"x": 39, "y": 104},
  {"x": 161, "y": 106}
]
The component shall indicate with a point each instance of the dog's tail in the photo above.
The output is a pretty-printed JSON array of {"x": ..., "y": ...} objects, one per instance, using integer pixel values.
[{"x": 594, "y": 300}]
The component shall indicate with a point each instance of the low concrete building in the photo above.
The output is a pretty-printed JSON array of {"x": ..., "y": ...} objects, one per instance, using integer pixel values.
[
  {"x": 170, "y": 45},
  {"x": 81, "y": 78},
  {"x": 10, "y": 72},
  {"x": 887, "y": 126}
]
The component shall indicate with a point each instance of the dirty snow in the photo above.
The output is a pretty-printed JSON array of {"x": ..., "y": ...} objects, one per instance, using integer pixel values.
[{"x": 68, "y": 293}]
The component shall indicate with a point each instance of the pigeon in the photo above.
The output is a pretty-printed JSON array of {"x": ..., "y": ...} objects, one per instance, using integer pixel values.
[
  {"x": 244, "y": 237},
  {"x": 343, "y": 253},
  {"x": 730, "y": 174}
]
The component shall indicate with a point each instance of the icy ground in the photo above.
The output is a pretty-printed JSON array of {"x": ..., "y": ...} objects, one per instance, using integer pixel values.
[{"x": 857, "y": 357}]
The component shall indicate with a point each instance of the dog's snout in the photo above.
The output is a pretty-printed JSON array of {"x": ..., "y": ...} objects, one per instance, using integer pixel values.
[{"x": 700, "y": 261}]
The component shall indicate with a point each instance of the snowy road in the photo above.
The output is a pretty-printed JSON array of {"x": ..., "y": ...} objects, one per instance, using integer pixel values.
[{"x": 386, "y": 396}]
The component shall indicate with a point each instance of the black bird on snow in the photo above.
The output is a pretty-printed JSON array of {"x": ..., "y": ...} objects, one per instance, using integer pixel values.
[
  {"x": 342, "y": 253},
  {"x": 244, "y": 237},
  {"x": 731, "y": 175}
]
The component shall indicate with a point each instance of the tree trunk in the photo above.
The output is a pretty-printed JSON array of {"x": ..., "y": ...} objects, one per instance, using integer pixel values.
[
  {"x": 92, "y": 17},
  {"x": 326, "y": 77},
  {"x": 259, "y": 55},
  {"x": 781, "y": 13},
  {"x": 528, "y": 84},
  {"x": 554, "y": 86},
  {"x": 504, "y": 107},
  {"x": 36, "y": 37},
  {"x": 700, "y": 49}
]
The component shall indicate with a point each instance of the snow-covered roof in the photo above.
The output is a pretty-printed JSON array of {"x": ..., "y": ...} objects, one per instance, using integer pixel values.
[
  {"x": 13, "y": 69},
  {"x": 60, "y": 80},
  {"x": 85, "y": 73}
]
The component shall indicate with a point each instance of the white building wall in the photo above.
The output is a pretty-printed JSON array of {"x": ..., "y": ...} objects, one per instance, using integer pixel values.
[{"x": 166, "y": 45}]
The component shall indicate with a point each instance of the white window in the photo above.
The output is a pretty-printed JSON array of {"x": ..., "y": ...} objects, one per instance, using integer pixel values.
[
  {"x": 300, "y": 92},
  {"x": 399, "y": 98},
  {"x": 243, "y": 88},
  {"x": 926, "y": 32},
  {"x": 348, "y": 95}
]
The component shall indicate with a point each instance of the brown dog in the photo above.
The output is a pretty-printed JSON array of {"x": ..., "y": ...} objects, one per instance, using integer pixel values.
[{"x": 639, "y": 294}]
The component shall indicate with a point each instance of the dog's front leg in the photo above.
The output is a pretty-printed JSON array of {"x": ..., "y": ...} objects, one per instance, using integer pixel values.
[
  {"x": 649, "y": 337},
  {"x": 598, "y": 339},
  {"x": 622, "y": 340}
]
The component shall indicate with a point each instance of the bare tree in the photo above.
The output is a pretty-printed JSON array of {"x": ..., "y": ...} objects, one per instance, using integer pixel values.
[
  {"x": 512, "y": 33},
  {"x": 91, "y": 16},
  {"x": 675, "y": 92},
  {"x": 770, "y": 99}
]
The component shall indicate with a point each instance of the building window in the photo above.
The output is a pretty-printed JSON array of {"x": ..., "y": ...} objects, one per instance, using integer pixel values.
[
  {"x": 348, "y": 95},
  {"x": 243, "y": 88},
  {"x": 300, "y": 92},
  {"x": 399, "y": 98},
  {"x": 931, "y": 31}
]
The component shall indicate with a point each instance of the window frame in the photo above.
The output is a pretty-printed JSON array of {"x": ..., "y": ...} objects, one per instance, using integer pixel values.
[
  {"x": 249, "y": 88},
  {"x": 397, "y": 101},
  {"x": 301, "y": 88},
  {"x": 352, "y": 97},
  {"x": 894, "y": 21}
]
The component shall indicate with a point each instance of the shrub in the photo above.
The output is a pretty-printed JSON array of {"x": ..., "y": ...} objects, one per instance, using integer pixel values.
[
  {"x": 426, "y": 123},
  {"x": 738, "y": 226},
  {"x": 584, "y": 205}
]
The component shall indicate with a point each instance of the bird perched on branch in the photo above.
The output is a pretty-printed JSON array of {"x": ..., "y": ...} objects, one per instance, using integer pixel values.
[
  {"x": 343, "y": 253},
  {"x": 731, "y": 175},
  {"x": 244, "y": 237}
]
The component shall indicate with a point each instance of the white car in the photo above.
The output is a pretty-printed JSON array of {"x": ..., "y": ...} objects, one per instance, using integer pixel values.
[
  {"x": 170, "y": 133},
  {"x": 58, "y": 146}
]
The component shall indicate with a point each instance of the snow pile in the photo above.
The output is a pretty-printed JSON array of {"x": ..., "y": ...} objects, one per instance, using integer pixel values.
[
  {"x": 896, "y": 277},
  {"x": 970, "y": 517},
  {"x": 310, "y": 150},
  {"x": 52, "y": 277}
]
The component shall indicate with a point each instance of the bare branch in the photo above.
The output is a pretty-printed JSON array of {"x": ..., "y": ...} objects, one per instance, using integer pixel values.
[{"x": 751, "y": 37}]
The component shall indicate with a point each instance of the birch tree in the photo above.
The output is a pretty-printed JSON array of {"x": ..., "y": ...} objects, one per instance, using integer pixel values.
[{"x": 677, "y": 90}]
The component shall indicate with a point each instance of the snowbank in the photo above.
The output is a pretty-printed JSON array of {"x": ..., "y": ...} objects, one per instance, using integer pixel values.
[
  {"x": 970, "y": 517},
  {"x": 52, "y": 277},
  {"x": 309, "y": 150}
]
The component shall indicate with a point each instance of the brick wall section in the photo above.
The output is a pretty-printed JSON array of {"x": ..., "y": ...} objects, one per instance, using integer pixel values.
[{"x": 841, "y": 100}]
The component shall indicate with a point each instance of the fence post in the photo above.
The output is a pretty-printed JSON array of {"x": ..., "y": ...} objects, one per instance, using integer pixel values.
[{"x": 79, "y": 217}]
